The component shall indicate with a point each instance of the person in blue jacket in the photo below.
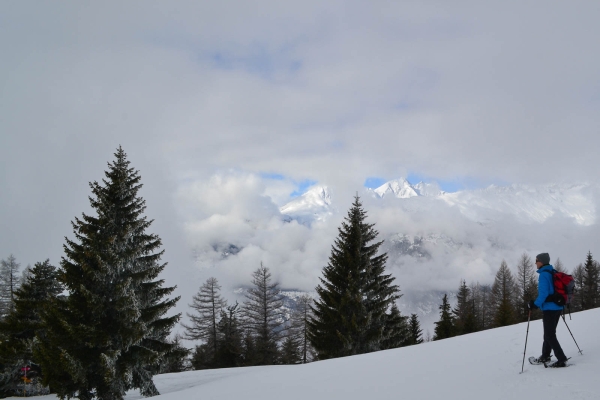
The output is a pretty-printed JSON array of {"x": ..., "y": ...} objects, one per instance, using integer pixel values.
[{"x": 551, "y": 312}]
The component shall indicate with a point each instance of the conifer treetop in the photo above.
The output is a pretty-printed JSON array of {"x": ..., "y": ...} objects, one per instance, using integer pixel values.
[
  {"x": 116, "y": 306},
  {"x": 354, "y": 293}
]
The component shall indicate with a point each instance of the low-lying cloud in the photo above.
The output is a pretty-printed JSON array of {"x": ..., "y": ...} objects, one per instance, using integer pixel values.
[{"x": 239, "y": 226}]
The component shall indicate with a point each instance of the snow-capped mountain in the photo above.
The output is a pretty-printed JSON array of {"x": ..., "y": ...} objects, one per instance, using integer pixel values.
[
  {"x": 314, "y": 205},
  {"x": 402, "y": 189},
  {"x": 415, "y": 245},
  {"x": 428, "y": 189},
  {"x": 526, "y": 203},
  {"x": 399, "y": 188}
]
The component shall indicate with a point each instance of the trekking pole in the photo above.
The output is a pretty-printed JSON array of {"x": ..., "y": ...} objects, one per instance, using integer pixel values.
[
  {"x": 526, "y": 336},
  {"x": 564, "y": 319}
]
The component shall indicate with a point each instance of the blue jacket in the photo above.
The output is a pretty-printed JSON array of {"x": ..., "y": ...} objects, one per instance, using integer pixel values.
[{"x": 546, "y": 288}]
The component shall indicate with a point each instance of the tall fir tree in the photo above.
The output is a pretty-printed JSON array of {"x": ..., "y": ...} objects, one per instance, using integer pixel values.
[
  {"x": 503, "y": 295},
  {"x": 208, "y": 305},
  {"x": 415, "y": 333},
  {"x": 354, "y": 294},
  {"x": 24, "y": 323},
  {"x": 176, "y": 359},
  {"x": 202, "y": 357},
  {"x": 590, "y": 295},
  {"x": 463, "y": 312},
  {"x": 229, "y": 349},
  {"x": 290, "y": 350},
  {"x": 396, "y": 329},
  {"x": 110, "y": 331},
  {"x": 249, "y": 353},
  {"x": 444, "y": 328},
  {"x": 263, "y": 317},
  {"x": 577, "y": 303}
]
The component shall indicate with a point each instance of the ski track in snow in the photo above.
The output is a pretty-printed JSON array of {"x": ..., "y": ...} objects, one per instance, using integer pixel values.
[{"x": 484, "y": 365}]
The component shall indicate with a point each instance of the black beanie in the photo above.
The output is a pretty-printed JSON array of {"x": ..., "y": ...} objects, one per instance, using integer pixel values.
[{"x": 544, "y": 258}]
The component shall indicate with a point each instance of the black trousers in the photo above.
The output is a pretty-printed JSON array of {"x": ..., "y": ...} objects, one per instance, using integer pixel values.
[{"x": 551, "y": 319}]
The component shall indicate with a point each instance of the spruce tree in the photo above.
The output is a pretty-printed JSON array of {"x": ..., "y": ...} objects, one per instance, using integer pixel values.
[
  {"x": 463, "y": 311},
  {"x": 591, "y": 283},
  {"x": 262, "y": 314},
  {"x": 444, "y": 328},
  {"x": 415, "y": 333},
  {"x": 40, "y": 286},
  {"x": 354, "y": 294},
  {"x": 503, "y": 294},
  {"x": 229, "y": 349},
  {"x": 208, "y": 305},
  {"x": 249, "y": 353},
  {"x": 24, "y": 323},
  {"x": 202, "y": 357},
  {"x": 110, "y": 331},
  {"x": 290, "y": 350},
  {"x": 176, "y": 359},
  {"x": 577, "y": 303},
  {"x": 396, "y": 330}
]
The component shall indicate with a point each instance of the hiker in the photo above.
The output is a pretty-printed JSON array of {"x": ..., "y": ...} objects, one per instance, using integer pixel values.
[{"x": 551, "y": 311}]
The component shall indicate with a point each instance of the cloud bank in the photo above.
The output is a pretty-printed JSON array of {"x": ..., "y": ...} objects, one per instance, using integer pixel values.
[{"x": 238, "y": 226}]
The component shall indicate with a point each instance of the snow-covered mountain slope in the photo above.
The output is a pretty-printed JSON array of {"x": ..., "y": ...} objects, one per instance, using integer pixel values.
[
  {"x": 314, "y": 205},
  {"x": 399, "y": 188},
  {"x": 416, "y": 246},
  {"x": 528, "y": 203},
  {"x": 484, "y": 365},
  {"x": 525, "y": 203},
  {"x": 402, "y": 189},
  {"x": 471, "y": 367}
]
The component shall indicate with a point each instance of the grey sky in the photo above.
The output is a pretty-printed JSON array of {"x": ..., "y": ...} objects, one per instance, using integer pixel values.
[{"x": 333, "y": 92}]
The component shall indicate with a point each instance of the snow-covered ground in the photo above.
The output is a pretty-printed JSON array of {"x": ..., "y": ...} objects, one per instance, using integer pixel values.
[{"x": 484, "y": 365}]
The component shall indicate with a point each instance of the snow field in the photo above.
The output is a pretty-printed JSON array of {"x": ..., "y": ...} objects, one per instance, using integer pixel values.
[{"x": 484, "y": 365}]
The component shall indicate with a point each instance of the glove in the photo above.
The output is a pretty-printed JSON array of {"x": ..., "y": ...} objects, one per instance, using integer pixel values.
[{"x": 531, "y": 305}]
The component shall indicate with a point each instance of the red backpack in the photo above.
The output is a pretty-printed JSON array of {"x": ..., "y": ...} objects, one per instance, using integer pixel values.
[{"x": 564, "y": 286}]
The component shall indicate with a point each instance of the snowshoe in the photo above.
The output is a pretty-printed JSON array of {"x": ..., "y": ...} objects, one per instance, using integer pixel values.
[
  {"x": 557, "y": 364},
  {"x": 539, "y": 360}
]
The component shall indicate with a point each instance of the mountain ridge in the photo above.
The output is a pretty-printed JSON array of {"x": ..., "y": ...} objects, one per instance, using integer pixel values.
[{"x": 528, "y": 203}]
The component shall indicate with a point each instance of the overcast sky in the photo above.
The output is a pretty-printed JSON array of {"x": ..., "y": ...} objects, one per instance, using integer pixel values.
[{"x": 239, "y": 100}]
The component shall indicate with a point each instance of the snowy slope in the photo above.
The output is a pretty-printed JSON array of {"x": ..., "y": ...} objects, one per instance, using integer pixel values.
[
  {"x": 484, "y": 365},
  {"x": 399, "y": 188},
  {"x": 314, "y": 205},
  {"x": 528, "y": 203},
  {"x": 477, "y": 366},
  {"x": 402, "y": 189}
]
